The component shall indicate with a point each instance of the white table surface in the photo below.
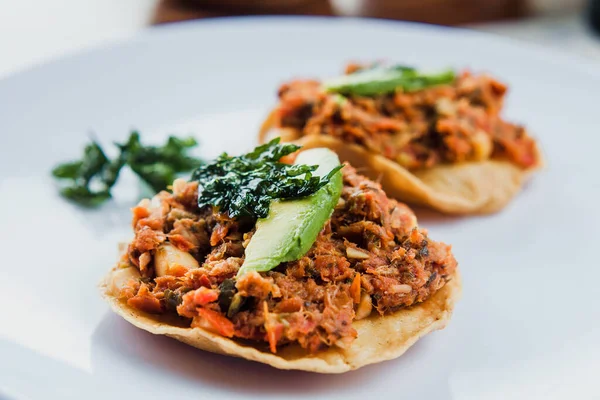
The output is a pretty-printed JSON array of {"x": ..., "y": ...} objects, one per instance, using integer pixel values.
[{"x": 35, "y": 31}]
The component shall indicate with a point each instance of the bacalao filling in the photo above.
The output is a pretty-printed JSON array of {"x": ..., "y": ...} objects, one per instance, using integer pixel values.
[
  {"x": 370, "y": 257},
  {"x": 442, "y": 124}
]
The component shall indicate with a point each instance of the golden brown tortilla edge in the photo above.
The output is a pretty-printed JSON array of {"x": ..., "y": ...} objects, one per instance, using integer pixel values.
[{"x": 414, "y": 322}]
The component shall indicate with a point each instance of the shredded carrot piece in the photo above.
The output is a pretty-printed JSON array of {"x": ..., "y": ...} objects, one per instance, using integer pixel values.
[
  {"x": 355, "y": 289},
  {"x": 274, "y": 329}
]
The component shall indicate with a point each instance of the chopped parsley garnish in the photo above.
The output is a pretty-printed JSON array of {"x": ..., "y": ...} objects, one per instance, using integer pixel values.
[
  {"x": 90, "y": 180},
  {"x": 244, "y": 186}
]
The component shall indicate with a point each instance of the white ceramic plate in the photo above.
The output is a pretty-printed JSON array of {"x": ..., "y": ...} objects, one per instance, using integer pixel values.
[{"x": 529, "y": 321}]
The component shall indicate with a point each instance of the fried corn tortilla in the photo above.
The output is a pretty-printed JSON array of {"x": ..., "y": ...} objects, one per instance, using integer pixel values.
[
  {"x": 380, "y": 338},
  {"x": 476, "y": 187}
]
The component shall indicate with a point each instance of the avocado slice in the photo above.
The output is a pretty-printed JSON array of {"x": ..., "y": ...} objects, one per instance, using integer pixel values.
[
  {"x": 382, "y": 80},
  {"x": 292, "y": 226}
]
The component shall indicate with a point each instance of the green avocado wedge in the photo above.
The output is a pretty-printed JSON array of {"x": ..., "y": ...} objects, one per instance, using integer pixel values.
[
  {"x": 381, "y": 80},
  {"x": 292, "y": 226}
]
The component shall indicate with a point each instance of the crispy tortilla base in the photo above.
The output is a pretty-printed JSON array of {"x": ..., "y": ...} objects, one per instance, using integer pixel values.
[
  {"x": 481, "y": 187},
  {"x": 379, "y": 338}
]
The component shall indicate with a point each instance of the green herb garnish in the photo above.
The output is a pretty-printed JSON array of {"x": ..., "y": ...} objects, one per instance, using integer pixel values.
[
  {"x": 381, "y": 80},
  {"x": 244, "y": 186},
  {"x": 92, "y": 177}
]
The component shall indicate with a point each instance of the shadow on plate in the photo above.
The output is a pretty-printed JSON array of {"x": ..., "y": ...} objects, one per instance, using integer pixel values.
[{"x": 116, "y": 341}]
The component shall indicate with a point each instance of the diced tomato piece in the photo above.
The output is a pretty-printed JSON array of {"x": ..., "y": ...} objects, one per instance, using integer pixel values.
[
  {"x": 203, "y": 296},
  {"x": 221, "y": 324},
  {"x": 204, "y": 281}
]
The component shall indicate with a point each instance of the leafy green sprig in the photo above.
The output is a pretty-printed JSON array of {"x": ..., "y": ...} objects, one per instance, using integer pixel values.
[
  {"x": 90, "y": 179},
  {"x": 244, "y": 186}
]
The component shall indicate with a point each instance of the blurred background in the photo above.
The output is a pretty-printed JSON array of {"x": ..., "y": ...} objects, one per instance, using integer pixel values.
[{"x": 34, "y": 31}]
